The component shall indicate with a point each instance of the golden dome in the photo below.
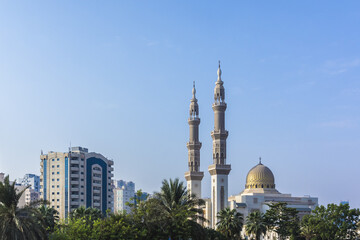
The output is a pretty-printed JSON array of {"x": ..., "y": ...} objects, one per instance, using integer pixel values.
[{"x": 260, "y": 176}]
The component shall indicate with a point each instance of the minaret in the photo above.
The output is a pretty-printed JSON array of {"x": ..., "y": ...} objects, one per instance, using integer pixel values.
[
  {"x": 219, "y": 170},
  {"x": 194, "y": 176}
]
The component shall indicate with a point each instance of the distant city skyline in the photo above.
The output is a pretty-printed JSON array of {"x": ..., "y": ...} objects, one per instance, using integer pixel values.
[{"x": 117, "y": 77}]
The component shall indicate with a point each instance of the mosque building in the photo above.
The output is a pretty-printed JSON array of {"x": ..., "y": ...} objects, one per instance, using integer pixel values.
[{"x": 260, "y": 181}]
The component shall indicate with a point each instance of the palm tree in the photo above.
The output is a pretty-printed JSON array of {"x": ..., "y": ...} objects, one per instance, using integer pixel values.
[
  {"x": 88, "y": 213},
  {"x": 18, "y": 222},
  {"x": 255, "y": 224},
  {"x": 308, "y": 227},
  {"x": 230, "y": 223},
  {"x": 50, "y": 217},
  {"x": 179, "y": 208}
]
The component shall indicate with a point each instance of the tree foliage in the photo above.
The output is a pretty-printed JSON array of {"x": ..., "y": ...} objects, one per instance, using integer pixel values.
[
  {"x": 18, "y": 222},
  {"x": 91, "y": 214},
  {"x": 49, "y": 217},
  {"x": 333, "y": 222},
  {"x": 283, "y": 220},
  {"x": 179, "y": 209},
  {"x": 230, "y": 223},
  {"x": 255, "y": 224}
]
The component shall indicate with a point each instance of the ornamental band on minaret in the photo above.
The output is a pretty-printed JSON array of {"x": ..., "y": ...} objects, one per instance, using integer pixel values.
[
  {"x": 219, "y": 170},
  {"x": 194, "y": 176}
]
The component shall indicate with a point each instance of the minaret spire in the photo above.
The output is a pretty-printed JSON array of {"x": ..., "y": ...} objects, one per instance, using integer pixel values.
[
  {"x": 219, "y": 73},
  {"x": 194, "y": 91},
  {"x": 219, "y": 170},
  {"x": 194, "y": 175}
]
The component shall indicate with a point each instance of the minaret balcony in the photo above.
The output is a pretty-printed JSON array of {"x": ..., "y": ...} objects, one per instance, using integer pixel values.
[
  {"x": 222, "y": 169},
  {"x": 219, "y": 134},
  {"x": 194, "y": 120},
  {"x": 194, "y": 175},
  {"x": 193, "y": 145},
  {"x": 220, "y": 104}
]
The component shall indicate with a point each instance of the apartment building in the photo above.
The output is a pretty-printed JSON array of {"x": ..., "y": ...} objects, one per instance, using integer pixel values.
[{"x": 76, "y": 178}]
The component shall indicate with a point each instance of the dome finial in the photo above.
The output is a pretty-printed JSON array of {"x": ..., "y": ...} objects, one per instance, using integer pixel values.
[
  {"x": 219, "y": 73},
  {"x": 260, "y": 160},
  {"x": 194, "y": 90}
]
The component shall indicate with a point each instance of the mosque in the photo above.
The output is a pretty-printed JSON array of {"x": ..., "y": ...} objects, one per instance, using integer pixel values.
[{"x": 260, "y": 181}]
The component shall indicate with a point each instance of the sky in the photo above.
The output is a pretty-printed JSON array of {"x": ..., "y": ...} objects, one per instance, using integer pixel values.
[{"x": 116, "y": 77}]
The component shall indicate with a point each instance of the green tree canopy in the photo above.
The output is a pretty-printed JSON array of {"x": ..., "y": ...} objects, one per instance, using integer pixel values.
[
  {"x": 230, "y": 223},
  {"x": 49, "y": 217},
  {"x": 283, "y": 220},
  {"x": 87, "y": 213},
  {"x": 179, "y": 208},
  {"x": 255, "y": 224},
  {"x": 333, "y": 222},
  {"x": 18, "y": 222}
]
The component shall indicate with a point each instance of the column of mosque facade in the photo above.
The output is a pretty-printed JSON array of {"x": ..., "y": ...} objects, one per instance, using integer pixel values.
[
  {"x": 219, "y": 170},
  {"x": 194, "y": 175}
]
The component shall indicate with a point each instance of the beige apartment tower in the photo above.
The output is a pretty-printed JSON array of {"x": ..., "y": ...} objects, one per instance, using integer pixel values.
[
  {"x": 76, "y": 178},
  {"x": 219, "y": 170},
  {"x": 194, "y": 175}
]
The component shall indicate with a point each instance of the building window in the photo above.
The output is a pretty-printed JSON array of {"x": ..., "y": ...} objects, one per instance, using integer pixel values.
[{"x": 255, "y": 200}]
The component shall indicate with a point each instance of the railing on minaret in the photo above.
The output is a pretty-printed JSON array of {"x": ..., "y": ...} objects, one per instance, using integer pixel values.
[
  {"x": 194, "y": 175},
  {"x": 219, "y": 170}
]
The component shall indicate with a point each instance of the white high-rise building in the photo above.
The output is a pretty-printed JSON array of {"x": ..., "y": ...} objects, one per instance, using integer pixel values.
[
  {"x": 31, "y": 180},
  {"x": 124, "y": 192},
  {"x": 76, "y": 178}
]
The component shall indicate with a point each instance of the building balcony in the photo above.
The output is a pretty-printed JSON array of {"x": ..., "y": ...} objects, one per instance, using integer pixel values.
[
  {"x": 96, "y": 204},
  {"x": 74, "y": 168},
  {"x": 74, "y": 196},
  {"x": 96, "y": 191},
  {"x": 75, "y": 182},
  {"x": 75, "y": 161}
]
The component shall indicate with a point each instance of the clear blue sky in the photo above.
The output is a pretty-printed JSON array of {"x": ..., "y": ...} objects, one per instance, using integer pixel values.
[{"x": 116, "y": 77}]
